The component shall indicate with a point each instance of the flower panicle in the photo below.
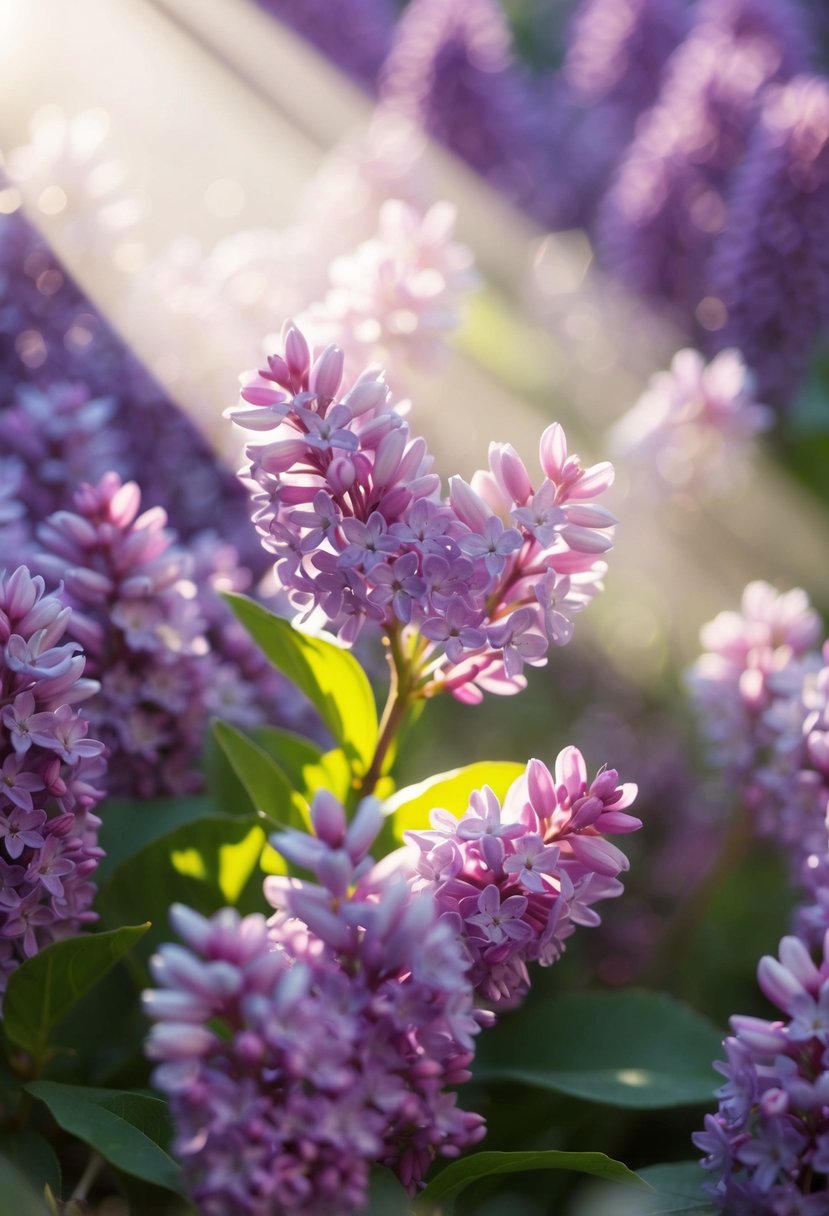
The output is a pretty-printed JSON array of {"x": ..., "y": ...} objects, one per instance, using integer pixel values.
[
  {"x": 345, "y": 498},
  {"x": 50, "y": 774}
]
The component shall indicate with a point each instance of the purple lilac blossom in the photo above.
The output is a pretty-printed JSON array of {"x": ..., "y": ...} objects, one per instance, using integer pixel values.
[
  {"x": 354, "y": 34},
  {"x": 693, "y": 428},
  {"x": 616, "y": 50},
  {"x": 61, "y": 434},
  {"x": 137, "y": 616},
  {"x": 515, "y": 879},
  {"x": 54, "y": 339},
  {"x": 768, "y": 1144},
  {"x": 771, "y": 275},
  {"x": 50, "y": 772},
  {"x": 346, "y": 500},
  {"x": 450, "y": 69},
  {"x": 333, "y": 1034},
  {"x": 668, "y": 204}
]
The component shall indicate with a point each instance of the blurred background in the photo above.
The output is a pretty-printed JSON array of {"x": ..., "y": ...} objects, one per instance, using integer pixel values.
[{"x": 179, "y": 177}]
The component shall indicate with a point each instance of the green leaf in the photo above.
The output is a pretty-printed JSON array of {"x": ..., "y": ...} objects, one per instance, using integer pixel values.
[
  {"x": 130, "y": 825},
  {"x": 636, "y": 1049},
  {"x": 269, "y": 789},
  {"x": 330, "y": 677},
  {"x": 307, "y": 768},
  {"x": 128, "y": 1129},
  {"x": 678, "y": 1190},
  {"x": 386, "y": 1197},
  {"x": 409, "y": 808},
  {"x": 18, "y": 1197},
  {"x": 460, "y": 1174},
  {"x": 46, "y": 987},
  {"x": 205, "y": 864},
  {"x": 34, "y": 1156}
]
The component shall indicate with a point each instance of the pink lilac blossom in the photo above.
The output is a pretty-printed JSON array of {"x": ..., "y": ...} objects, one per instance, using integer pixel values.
[
  {"x": 50, "y": 772},
  {"x": 747, "y": 692},
  {"x": 398, "y": 296},
  {"x": 669, "y": 203},
  {"x": 137, "y": 615},
  {"x": 299, "y": 1051},
  {"x": 345, "y": 498},
  {"x": 515, "y": 879},
  {"x": 693, "y": 428},
  {"x": 768, "y": 1144},
  {"x": 771, "y": 276}
]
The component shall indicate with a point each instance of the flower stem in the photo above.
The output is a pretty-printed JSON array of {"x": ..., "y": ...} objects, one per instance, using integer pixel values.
[
  {"x": 87, "y": 1178},
  {"x": 398, "y": 703}
]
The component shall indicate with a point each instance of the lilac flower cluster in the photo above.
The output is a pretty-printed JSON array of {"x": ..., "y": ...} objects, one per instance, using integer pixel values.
[
  {"x": 398, "y": 295},
  {"x": 771, "y": 277},
  {"x": 61, "y": 434},
  {"x": 450, "y": 69},
  {"x": 748, "y": 694},
  {"x": 616, "y": 50},
  {"x": 694, "y": 424},
  {"x": 137, "y": 617},
  {"x": 345, "y": 499},
  {"x": 669, "y": 202},
  {"x": 768, "y": 1144},
  {"x": 515, "y": 879},
  {"x": 49, "y": 775},
  {"x": 299, "y": 1051}
]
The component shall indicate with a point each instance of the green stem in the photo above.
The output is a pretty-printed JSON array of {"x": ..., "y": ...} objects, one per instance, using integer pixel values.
[{"x": 401, "y": 694}]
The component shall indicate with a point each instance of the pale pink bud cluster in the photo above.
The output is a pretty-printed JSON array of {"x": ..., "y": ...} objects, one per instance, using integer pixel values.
[
  {"x": 398, "y": 296},
  {"x": 695, "y": 425}
]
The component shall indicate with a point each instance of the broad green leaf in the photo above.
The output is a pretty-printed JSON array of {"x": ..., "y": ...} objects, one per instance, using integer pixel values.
[
  {"x": 267, "y": 785},
  {"x": 18, "y": 1197},
  {"x": 678, "y": 1190},
  {"x": 130, "y": 825},
  {"x": 205, "y": 864},
  {"x": 409, "y": 808},
  {"x": 128, "y": 1129},
  {"x": 34, "y": 1156},
  {"x": 330, "y": 677},
  {"x": 636, "y": 1049},
  {"x": 307, "y": 768},
  {"x": 46, "y": 987},
  {"x": 460, "y": 1174},
  {"x": 293, "y": 753}
]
